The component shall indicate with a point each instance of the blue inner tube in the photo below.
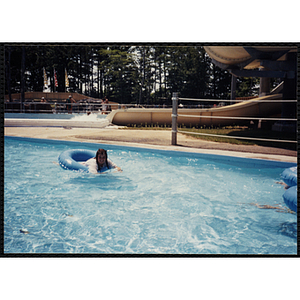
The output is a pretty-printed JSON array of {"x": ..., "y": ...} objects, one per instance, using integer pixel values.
[
  {"x": 70, "y": 159},
  {"x": 290, "y": 198},
  {"x": 289, "y": 176}
]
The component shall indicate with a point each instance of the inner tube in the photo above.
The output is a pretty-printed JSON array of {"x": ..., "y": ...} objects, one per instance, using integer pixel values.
[
  {"x": 70, "y": 159},
  {"x": 289, "y": 176},
  {"x": 290, "y": 198}
]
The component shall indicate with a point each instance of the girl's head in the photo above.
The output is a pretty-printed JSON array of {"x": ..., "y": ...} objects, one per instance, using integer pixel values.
[{"x": 101, "y": 158}]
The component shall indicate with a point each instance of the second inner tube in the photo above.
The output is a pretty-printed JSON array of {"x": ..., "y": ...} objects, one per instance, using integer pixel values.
[
  {"x": 290, "y": 198},
  {"x": 289, "y": 176}
]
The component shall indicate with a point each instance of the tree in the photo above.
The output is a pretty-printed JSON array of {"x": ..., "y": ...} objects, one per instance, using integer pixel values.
[
  {"x": 186, "y": 71},
  {"x": 219, "y": 84},
  {"x": 22, "y": 77},
  {"x": 8, "y": 71},
  {"x": 247, "y": 86},
  {"x": 142, "y": 74},
  {"x": 118, "y": 73}
]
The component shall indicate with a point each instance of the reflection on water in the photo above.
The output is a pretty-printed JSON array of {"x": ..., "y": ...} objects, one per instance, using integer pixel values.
[
  {"x": 289, "y": 229},
  {"x": 110, "y": 180}
]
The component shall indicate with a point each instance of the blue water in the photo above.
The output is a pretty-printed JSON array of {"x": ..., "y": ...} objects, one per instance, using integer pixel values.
[{"x": 163, "y": 202}]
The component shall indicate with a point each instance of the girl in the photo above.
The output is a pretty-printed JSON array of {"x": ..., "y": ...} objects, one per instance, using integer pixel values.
[{"x": 100, "y": 163}]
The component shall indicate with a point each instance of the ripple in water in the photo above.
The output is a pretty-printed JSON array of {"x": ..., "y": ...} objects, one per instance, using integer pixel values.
[{"x": 160, "y": 203}]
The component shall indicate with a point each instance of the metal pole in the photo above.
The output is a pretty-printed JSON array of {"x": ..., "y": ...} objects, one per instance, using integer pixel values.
[
  {"x": 233, "y": 88},
  {"x": 174, "y": 118}
]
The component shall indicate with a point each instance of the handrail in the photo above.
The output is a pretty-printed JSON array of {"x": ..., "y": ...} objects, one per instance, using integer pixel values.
[
  {"x": 237, "y": 118},
  {"x": 219, "y": 100},
  {"x": 174, "y": 120}
]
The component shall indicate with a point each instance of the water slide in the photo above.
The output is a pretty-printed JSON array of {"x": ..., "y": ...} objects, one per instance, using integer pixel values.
[
  {"x": 227, "y": 57},
  {"x": 253, "y": 108}
]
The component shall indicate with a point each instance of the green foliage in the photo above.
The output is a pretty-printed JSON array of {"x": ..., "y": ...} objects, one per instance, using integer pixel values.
[
  {"x": 188, "y": 71},
  {"x": 140, "y": 74},
  {"x": 247, "y": 87},
  {"x": 219, "y": 83}
]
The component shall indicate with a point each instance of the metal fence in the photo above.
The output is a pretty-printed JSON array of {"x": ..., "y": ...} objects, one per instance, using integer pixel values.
[{"x": 175, "y": 114}]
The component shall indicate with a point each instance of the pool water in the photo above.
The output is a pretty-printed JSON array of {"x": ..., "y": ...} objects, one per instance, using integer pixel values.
[
  {"x": 74, "y": 117},
  {"x": 55, "y": 119},
  {"x": 164, "y": 202}
]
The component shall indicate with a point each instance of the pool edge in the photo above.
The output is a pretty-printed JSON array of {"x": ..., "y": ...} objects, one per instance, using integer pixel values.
[{"x": 267, "y": 158}]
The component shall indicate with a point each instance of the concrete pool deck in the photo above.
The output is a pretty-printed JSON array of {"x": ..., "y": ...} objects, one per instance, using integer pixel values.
[{"x": 155, "y": 139}]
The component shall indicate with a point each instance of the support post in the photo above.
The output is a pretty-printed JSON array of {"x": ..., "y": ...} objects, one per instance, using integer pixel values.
[
  {"x": 288, "y": 110},
  {"x": 264, "y": 87},
  {"x": 233, "y": 88},
  {"x": 174, "y": 118}
]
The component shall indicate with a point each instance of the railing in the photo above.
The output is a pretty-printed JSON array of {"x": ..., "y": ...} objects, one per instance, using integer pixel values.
[
  {"x": 175, "y": 114},
  {"x": 234, "y": 101}
]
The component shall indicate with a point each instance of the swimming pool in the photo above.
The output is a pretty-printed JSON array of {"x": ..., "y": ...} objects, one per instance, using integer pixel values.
[
  {"x": 66, "y": 116},
  {"x": 164, "y": 202},
  {"x": 56, "y": 120}
]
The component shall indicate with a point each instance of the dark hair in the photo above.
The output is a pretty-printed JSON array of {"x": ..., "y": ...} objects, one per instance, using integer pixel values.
[{"x": 101, "y": 151}]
